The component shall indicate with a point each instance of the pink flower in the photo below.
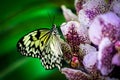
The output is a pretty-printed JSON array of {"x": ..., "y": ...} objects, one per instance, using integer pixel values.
[
  {"x": 77, "y": 50},
  {"x": 74, "y": 34},
  {"x": 90, "y": 37}
]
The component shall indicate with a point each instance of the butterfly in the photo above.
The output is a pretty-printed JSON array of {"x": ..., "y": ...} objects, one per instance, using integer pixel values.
[{"x": 43, "y": 44}]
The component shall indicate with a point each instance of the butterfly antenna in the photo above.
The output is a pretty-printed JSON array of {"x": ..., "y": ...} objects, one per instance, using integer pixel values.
[{"x": 51, "y": 18}]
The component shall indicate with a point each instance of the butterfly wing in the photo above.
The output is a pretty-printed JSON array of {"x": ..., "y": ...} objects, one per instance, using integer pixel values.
[
  {"x": 52, "y": 54},
  {"x": 43, "y": 44},
  {"x": 33, "y": 43}
]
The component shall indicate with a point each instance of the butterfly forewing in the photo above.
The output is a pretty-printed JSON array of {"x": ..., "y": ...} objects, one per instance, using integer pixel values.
[{"x": 33, "y": 43}]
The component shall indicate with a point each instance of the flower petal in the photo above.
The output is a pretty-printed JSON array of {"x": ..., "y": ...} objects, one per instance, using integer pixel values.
[
  {"x": 75, "y": 34},
  {"x": 79, "y": 4},
  {"x": 90, "y": 60},
  {"x": 105, "y": 56},
  {"x": 72, "y": 74},
  {"x": 67, "y": 54},
  {"x": 90, "y": 64},
  {"x": 115, "y": 7},
  {"x": 105, "y": 25},
  {"x": 108, "y": 78},
  {"x": 91, "y": 9},
  {"x": 68, "y": 14},
  {"x": 116, "y": 59},
  {"x": 86, "y": 49}
]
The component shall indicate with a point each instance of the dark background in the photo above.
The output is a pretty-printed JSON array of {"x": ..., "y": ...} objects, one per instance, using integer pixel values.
[{"x": 17, "y": 18}]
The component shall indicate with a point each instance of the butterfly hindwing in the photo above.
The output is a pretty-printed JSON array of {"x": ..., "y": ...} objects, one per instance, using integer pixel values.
[{"x": 52, "y": 54}]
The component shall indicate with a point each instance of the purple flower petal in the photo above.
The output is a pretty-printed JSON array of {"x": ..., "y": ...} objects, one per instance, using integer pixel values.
[
  {"x": 79, "y": 4},
  {"x": 75, "y": 34},
  {"x": 105, "y": 25},
  {"x": 90, "y": 64},
  {"x": 68, "y": 14},
  {"x": 72, "y": 74},
  {"x": 67, "y": 54},
  {"x": 86, "y": 49},
  {"x": 90, "y": 60},
  {"x": 108, "y": 78},
  {"x": 116, "y": 59},
  {"x": 115, "y": 7},
  {"x": 105, "y": 56},
  {"x": 91, "y": 9}
]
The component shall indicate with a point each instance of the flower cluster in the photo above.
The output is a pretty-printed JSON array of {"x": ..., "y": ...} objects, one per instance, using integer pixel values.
[{"x": 92, "y": 35}]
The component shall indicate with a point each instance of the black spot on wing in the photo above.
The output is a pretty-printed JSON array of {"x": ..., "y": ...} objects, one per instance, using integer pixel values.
[
  {"x": 42, "y": 42},
  {"x": 33, "y": 46},
  {"x": 31, "y": 38},
  {"x": 24, "y": 50},
  {"x": 38, "y": 34}
]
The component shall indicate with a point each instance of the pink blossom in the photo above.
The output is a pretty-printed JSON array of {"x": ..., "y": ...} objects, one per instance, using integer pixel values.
[{"x": 91, "y": 39}]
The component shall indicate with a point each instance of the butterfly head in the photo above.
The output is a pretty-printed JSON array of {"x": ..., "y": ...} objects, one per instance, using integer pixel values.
[{"x": 54, "y": 29}]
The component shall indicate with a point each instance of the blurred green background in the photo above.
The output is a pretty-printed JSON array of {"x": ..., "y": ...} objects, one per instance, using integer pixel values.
[{"x": 17, "y": 18}]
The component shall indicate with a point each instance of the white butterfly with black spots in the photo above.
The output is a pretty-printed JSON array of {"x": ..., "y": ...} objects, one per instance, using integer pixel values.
[{"x": 43, "y": 44}]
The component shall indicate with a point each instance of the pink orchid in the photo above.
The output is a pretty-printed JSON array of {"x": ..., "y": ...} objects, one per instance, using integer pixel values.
[{"x": 90, "y": 48}]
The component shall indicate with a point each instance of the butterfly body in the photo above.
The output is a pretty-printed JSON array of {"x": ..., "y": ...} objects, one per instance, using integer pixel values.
[{"x": 43, "y": 44}]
